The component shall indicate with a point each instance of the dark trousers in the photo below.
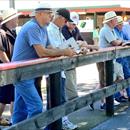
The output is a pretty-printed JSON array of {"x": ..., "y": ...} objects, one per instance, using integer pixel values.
[{"x": 38, "y": 85}]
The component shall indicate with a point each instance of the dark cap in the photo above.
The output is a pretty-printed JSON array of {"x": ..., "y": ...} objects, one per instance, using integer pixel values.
[{"x": 64, "y": 13}]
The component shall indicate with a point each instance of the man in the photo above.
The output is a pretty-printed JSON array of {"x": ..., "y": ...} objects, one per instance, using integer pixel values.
[
  {"x": 126, "y": 30},
  {"x": 107, "y": 38},
  {"x": 9, "y": 22},
  {"x": 70, "y": 30},
  {"x": 57, "y": 39},
  {"x": 32, "y": 42},
  {"x": 123, "y": 61}
]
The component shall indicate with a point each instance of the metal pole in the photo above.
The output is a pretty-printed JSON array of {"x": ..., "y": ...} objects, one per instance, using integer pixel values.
[
  {"x": 54, "y": 97},
  {"x": 109, "y": 81},
  {"x": 95, "y": 20},
  {"x": 12, "y": 4}
]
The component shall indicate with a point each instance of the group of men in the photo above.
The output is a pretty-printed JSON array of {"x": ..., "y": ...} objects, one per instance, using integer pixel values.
[
  {"x": 112, "y": 34},
  {"x": 42, "y": 36},
  {"x": 39, "y": 37}
]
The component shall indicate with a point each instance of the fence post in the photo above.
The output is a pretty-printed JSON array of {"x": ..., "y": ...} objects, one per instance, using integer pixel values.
[
  {"x": 109, "y": 81},
  {"x": 54, "y": 97}
]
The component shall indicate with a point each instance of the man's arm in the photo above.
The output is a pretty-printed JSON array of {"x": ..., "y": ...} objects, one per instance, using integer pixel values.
[
  {"x": 43, "y": 52},
  {"x": 117, "y": 43},
  {"x": 3, "y": 57}
]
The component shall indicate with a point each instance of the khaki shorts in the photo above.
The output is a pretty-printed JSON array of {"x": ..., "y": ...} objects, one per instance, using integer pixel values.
[
  {"x": 71, "y": 85},
  {"x": 118, "y": 71}
]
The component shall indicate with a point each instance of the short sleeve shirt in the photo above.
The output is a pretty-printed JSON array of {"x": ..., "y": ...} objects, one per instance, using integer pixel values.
[
  {"x": 30, "y": 34},
  {"x": 56, "y": 38},
  {"x": 126, "y": 31},
  {"x": 106, "y": 36}
]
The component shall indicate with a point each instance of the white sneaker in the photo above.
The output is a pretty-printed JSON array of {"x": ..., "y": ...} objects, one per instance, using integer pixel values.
[
  {"x": 67, "y": 125},
  {"x": 116, "y": 102}
]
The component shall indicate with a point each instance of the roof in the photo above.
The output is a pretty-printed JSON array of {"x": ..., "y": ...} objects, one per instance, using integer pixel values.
[{"x": 99, "y": 10}]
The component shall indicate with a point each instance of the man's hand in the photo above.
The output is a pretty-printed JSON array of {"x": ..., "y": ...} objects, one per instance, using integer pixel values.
[{"x": 69, "y": 52}]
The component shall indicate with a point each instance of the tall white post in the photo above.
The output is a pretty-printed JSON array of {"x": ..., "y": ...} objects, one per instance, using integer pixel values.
[{"x": 12, "y": 3}]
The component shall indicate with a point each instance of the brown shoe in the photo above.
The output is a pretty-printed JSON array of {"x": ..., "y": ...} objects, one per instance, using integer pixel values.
[{"x": 4, "y": 122}]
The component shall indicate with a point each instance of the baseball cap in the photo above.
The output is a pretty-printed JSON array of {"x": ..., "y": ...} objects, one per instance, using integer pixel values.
[
  {"x": 74, "y": 17},
  {"x": 64, "y": 13}
]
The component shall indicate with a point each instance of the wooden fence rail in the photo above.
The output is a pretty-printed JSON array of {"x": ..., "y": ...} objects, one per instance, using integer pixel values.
[
  {"x": 55, "y": 113},
  {"x": 13, "y": 72}
]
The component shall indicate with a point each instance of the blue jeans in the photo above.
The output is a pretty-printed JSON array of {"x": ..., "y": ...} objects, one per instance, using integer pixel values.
[
  {"x": 118, "y": 95},
  {"x": 27, "y": 101}
]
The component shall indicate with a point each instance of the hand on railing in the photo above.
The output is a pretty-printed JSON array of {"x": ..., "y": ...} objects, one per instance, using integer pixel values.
[{"x": 69, "y": 52}]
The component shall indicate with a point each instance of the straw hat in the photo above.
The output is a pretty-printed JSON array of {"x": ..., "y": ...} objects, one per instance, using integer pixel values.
[
  {"x": 119, "y": 20},
  {"x": 74, "y": 17},
  {"x": 9, "y": 14},
  {"x": 41, "y": 7},
  {"x": 109, "y": 16}
]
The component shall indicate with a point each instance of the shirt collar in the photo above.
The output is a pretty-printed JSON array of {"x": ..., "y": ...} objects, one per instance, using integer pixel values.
[{"x": 55, "y": 26}]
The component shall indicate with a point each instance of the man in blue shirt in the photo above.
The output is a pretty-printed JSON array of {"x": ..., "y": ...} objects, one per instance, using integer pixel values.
[
  {"x": 123, "y": 61},
  {"x": 107, "y": 38},
  {"x": 31, "y": 43},
  {"x": 126, "y": 30}
]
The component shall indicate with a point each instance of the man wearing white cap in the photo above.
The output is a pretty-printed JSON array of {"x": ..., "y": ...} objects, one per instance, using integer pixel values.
[
  {"x": 70, "y": 30},
  {"x": 32, "y": 42},
  {"x": 107, "y": 38},
  {"x": 123, "y": 61},
  {"x": 9, "y": 22}
]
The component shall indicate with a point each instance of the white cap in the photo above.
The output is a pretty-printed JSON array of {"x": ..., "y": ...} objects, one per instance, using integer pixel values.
[
  {"x": 74, "y": 17},
  {"x": 109, "y": 16},
  {"x": 41, "y": 7}
]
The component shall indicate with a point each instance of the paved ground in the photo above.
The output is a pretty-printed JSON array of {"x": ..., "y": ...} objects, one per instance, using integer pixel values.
[{"x": 86, "y": 119}]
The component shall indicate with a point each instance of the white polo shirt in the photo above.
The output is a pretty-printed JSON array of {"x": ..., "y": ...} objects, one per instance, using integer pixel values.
[{"x": 56, "y": 38}]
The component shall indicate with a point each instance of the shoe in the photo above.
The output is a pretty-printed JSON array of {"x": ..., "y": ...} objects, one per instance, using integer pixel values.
[
  {"x": 124, "y": 97},
  {"x": 4, "y": 122},
  {"x": 129, "y": 99},
  {"x": 116, "y": 102},
  {"x": 103, "y": 106},
  {"x": 91, "y": 106},
  {"x": 120, "y": 99},
  {"x": 67, "y": 125}
]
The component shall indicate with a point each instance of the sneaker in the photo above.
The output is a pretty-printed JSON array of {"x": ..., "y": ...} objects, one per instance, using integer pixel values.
[
  {"x": 67, "y": 125},
  {"x": 91, "y": 106},
  {"x": 116, "y": 102},
  {"x": 103, "y": 106}
]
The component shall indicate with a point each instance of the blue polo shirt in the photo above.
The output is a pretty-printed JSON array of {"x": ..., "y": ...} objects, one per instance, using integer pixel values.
[
  {"x": 106, "y": 36},
  {"x": 126, "y": 31},
  {"x": 30, "y": 34},
  {"x": 123, "y": 61}
]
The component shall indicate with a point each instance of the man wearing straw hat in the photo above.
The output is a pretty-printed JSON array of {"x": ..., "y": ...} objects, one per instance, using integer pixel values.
[
  {"x": 31, "y": 43},
  {"x": 8, "y": 36},
  {"x": 123, "y": 61},
  {"x": 107, "y": 38}
]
